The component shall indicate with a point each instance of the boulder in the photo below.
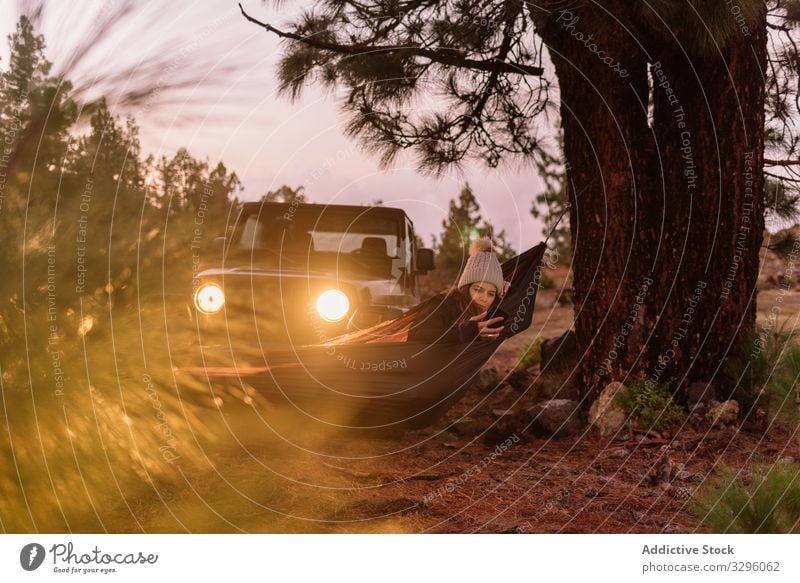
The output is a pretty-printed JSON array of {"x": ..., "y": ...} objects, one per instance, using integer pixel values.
[
  {"x": 550, "y": 418},
  {"x": 557, "y": 417},
  {"x": 756, "y": 413},
  {"x": 504, "y": 397},
  {"x": 507, "y": 423},
  {"x": 519, "y": 379},
  {"x": 723, "y": 414},
  {"x": 700, "y": 393},
  {"x": 466, "y": 427},
  {"x": 606, "y": 413},
  {"x": 560, "y": 387},
  {"x": 559, "y": 353},
  {"x": 488, "y": 379}
]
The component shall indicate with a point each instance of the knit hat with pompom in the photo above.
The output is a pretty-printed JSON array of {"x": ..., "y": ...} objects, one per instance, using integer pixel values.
[{"x": 482, "y": 265}]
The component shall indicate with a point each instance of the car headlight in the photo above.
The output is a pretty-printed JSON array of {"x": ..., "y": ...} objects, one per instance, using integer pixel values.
[
  {"x": 333, "y": 305},
  {"x": 209, "y": 298}
]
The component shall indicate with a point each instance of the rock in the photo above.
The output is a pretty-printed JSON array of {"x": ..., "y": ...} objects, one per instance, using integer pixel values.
[
  {"x": 698, "y": 410},
  {"x": 504, "y": 396},
  {"x": 559, "y": 353},
  {"x": 620, "y": 453},
  {"x": 755, "y": 414},
  {"x": 725, "y": 413},
  {"x": 551, "y": 418},
  {"x": 697, "y": 415},
  {"x": 508, "y": 422},
  {"x": 488, "y": 379},
  {"x": 557, "y": 417},
  {"x": 466, "y": 427},
  {"x": 700, "y": 393},
  {"x": 557, "y": 387},
  {"x": 606, "y": 414},
  {"x": 519, "y": 379}
]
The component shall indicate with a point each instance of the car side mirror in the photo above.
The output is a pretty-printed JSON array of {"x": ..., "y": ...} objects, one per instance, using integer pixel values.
[
  {"x": 425, "y": 260},
  {"x": 218, "y": 244}
]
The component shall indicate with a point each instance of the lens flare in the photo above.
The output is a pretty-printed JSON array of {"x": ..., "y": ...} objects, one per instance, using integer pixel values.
[
  {"x": 333, "y": 305},
  {"x": 209, "y": 298}
]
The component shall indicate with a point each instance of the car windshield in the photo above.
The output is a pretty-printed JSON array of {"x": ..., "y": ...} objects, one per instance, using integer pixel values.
[{"x": 365, "y": 240}]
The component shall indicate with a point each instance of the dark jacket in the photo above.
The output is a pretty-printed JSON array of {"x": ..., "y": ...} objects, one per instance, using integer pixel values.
[{"x": 436, "y": 324}]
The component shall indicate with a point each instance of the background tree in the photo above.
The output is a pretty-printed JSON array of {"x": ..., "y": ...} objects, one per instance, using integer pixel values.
[
  {"x": 286, "y": 194},
  {"x": 463, "y": 225},
  {"x": 551, "y": 205},
  {"x": 97, "y": 264},
  {"x": 35, "y": 114},
  {"x": 85, "y": 215}
]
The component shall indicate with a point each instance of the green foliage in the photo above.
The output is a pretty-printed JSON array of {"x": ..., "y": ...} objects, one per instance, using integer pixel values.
[
  {"x": 487, "y": 114},
  {"x": 545, "y": 281},
  {"x": 756, "y": 365},
  {"x": 784, "y": 244},
  {"x": 531, "y": 355},
  {"x": 109, "y": 242},
  {"x": 463, "y": 225},
  {"x": 780, "y": 199},
  {"x": 650, "y": 405},
  {"x": 769, "y": 504},
  {"x": 791, "y": 11},
  {"x": 782, "y": 388}
]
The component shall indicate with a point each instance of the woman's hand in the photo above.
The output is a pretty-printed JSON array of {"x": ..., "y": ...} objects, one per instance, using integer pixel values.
[{"x": 485, "y": 330}]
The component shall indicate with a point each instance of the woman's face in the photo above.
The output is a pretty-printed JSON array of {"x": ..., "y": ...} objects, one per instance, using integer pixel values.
[{"x": 483, "y": 293}]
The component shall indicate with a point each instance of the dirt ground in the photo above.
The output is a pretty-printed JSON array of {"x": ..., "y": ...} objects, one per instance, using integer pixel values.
[{"x": 462, "y": 475}]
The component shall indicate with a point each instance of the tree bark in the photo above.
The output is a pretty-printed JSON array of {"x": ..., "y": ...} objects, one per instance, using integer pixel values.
[
  {"x": 711, "y": 139},
  {"x": 667, "y": 210}
]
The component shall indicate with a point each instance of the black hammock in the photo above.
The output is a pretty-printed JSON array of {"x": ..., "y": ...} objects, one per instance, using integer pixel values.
[{"x": 374, "y": 379}]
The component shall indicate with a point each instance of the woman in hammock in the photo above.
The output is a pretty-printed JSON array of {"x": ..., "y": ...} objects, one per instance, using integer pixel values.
[{"x": 459, "y": 315}]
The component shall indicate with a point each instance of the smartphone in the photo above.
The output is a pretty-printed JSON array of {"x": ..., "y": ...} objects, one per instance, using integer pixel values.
[{"x": 495, "y": 313}]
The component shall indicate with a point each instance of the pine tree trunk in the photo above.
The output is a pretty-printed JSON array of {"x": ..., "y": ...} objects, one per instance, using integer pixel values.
[
  {"x": 711, "y": 130},
  {"x": 666, "y": 232}
]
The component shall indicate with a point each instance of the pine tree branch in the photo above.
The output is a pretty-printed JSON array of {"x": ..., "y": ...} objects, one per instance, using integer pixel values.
[
  {"x": 491, "y": 85},
  {"x": 449, "y": 57},
  {"x": 784, "y": 178}
]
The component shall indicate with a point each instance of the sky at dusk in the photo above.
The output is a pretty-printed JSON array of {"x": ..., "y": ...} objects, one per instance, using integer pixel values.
[{"x": 234, "y": 114}]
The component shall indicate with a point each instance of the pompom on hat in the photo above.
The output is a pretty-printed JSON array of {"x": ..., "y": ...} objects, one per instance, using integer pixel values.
[{"x": 483, "y": 265}]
